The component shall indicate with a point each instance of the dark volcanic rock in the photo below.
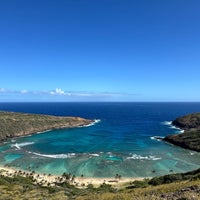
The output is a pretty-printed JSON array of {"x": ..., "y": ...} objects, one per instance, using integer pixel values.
[
  {"x": 190, "y": 139},
  {"x": 188, "y": 122},
  {"x": 187, "y": 140},
  {"x": 192, "y": 192}
]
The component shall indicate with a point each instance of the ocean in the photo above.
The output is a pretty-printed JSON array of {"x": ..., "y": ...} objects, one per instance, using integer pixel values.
[{"x": 120, "y": 142}]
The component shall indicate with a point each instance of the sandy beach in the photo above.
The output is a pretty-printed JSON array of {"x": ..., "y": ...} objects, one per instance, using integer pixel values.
[{"x": 51, "y": 180}]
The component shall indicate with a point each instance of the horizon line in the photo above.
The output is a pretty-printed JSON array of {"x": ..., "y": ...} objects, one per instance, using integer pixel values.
[{"x": 100, "y": 102}]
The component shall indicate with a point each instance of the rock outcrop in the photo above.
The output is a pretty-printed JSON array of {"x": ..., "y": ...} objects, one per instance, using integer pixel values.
[
  {"x": 13, "y": 124},
  {"x": 190, "y": 139},
  {"x": 188, "y": 122}
]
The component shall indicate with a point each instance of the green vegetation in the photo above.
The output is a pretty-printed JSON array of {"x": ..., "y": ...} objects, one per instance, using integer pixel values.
[
  {"x": 19, "y": 188},
  {"x": 14, "y": 124},
  {"x": 188, "y": 122},
  {"x": 172, "y": 187},
  {"x": 190, "y": 139},
  {"x": 193, "y": 175},
  {"x": 138, "y": 184}
]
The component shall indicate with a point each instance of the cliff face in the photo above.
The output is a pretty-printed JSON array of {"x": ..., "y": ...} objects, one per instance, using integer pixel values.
[
  {"x": 20, "y": 124},
  {"x": 187, "y": 140},
  {"x": 188, "y": 122},
  {"x": 190, "y": 139}
]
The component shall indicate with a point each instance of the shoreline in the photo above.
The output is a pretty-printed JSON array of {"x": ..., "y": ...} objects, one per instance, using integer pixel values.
[
  {"x": 55, "y": 180},
  {"x": 189, "y": 131},
  {"x": 25, "y": 124},
  {"x": 45, "y": 131},
  {"x": 92, "y": 123}
]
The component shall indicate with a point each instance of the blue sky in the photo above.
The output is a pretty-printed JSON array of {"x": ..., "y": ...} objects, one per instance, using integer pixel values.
[{"x": 102, "y": 50}]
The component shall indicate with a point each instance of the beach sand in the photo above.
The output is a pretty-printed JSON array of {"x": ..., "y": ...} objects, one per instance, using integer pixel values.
[{"x": 80, "y": 182}]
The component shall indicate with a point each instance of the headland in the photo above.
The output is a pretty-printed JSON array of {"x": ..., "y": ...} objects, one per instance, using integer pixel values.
[
  {"x": 190, "y": 138},
  {"x": 13, "y": 124}
]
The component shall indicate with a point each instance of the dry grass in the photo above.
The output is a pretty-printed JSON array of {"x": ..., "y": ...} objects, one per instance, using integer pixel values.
[
  {"x": 23, "y": 189},
  {"x": 14, "y": 124},
  {"x": 149, "y": 193}
]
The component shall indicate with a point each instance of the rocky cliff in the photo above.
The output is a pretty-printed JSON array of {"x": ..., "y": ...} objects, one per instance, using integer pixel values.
[
  {"x": 190, "y": 139},
  {"x": 188, "y": 122},
  {"x": 14, "y": 124}
]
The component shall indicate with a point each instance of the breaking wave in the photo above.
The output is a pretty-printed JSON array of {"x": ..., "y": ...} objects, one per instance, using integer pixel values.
[
  {"x": 158, "y": 138},
  {"x": 139, "y": 157},
  {"x": 176, "y": 128},
  {"x": 167, "y": 123},
  {"x": 93, "y": 123},
  {"x": 94, "y": 154},
  {"x": 69, "y": 155},
  {"x": 19, "y": 145}
]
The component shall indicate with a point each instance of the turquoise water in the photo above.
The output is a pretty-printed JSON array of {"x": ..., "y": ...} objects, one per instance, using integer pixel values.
[{"x": 121, "y": 142}]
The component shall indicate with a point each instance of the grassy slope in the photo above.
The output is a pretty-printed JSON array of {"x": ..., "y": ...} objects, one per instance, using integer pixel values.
[
  {"x": 174, "y": 191},
  {"x": 14, "y": 124},
  {"x": 169, "y": 187}
]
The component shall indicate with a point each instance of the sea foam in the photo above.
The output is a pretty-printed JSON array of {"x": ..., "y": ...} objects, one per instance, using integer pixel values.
[
  {"x": 169, "y": 123},
  {"x": 139, "y": 157},
  {"x": 94, "y": 154},
  {"x": 69, "y": 155},
  {"x": 176, "y": 128},
  {"x": 19, "y": 145},
  {"x": 158, "y": 138},
  {"x": 92, "y": 124}
]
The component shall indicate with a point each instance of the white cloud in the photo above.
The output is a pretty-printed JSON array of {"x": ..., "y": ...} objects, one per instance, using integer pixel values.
[
  {"x": 24, "y": 91},
  {"x": 2, "y": 90},
  {"x": 61, "y": 95},
  {"x": 59, "y": 91}
]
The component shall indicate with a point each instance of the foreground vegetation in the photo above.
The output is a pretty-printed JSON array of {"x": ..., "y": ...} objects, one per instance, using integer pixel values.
[
  {"x": 14, "y": 124},
  {"x": 182, "y": 186}
]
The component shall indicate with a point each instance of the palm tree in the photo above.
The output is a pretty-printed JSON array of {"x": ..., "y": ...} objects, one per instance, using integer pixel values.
[
  {"x": 64, "y": 175},
  {"x": 73, "y": 178},
  {"x": 116, "y": 176}
]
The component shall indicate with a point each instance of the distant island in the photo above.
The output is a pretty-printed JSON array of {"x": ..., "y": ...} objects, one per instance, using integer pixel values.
[
  {"x": 190, "y": 139},
  {"x": 13, "y": 124}
]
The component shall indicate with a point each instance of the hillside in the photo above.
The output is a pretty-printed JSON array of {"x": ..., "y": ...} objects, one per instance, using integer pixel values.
[
  {"x": 14, "y": 124},
  {"x": 184, "y": 186},
  {"x": 189, "y": 122},
  {"x": 190, "y": 139}
]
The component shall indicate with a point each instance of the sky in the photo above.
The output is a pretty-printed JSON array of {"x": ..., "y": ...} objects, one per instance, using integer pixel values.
[{"x": 99, "y": 50}]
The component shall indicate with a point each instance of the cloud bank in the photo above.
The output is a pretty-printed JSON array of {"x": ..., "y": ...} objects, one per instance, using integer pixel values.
[{"x": 59, "y": 94}]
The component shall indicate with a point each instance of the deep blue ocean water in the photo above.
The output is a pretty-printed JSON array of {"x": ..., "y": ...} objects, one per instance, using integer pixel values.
[{"x": 121, "y": 142}]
